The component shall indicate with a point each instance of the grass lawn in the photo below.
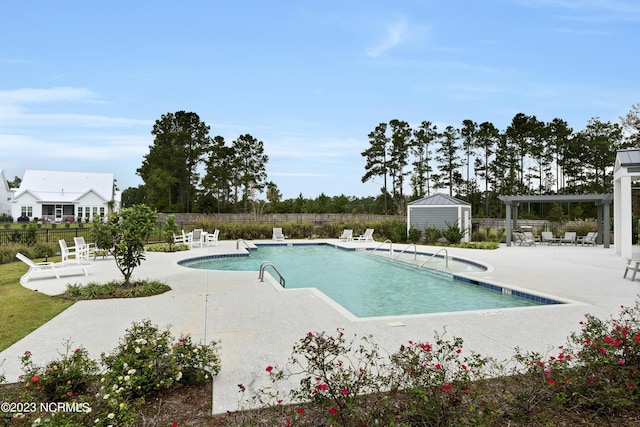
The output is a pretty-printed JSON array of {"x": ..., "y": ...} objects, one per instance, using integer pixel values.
[{"x": 22, "y": 310}]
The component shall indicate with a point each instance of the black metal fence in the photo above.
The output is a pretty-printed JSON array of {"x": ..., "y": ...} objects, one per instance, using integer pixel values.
[{"x": 43, "y": 235}]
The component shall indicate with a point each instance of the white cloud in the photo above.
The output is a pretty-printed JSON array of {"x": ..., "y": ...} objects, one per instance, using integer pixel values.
[
  {"x": 31, "y": 96},
  {"x": 102, "y": 148},
  {"x": 394, "y": 35}
]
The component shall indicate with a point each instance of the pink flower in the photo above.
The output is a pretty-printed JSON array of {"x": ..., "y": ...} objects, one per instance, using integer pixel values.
[
  {"x": 621, "y": 361},
  {"x": 551, "y": 381},
  {"x": 447, "y": 387},
  {"x": 300, "y": 410},
  {"x": 35, "y": 379},
  {"x": 322, "y": 386},
  {"x": 28, "y": 353},
  {"x": 69, "y": 393},
  {"x": 459, "y": 351},
  {"x": 438, "y": 366},
  {"x": 269, "y": 368},
  {"x": 309, "y": 334},
  {"x": 344, "y": 391},
  {"x": 629, "y": 384},
  {"x": 333, "y": 411},
  {"x": 287, "y": 422}
]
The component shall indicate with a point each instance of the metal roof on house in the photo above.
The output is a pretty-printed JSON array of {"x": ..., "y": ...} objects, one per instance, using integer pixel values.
[
  {"x": 439, "y": 200},
  {"x": 62, "y": 186},
  {"x": 629, "y": 157}
]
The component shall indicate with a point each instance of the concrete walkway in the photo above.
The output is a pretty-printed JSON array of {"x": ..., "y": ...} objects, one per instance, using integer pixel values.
[{"x": 257, "y": 323}]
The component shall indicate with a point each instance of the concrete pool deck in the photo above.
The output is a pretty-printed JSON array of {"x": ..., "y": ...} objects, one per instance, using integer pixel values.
[{"x": 257, "y": 323}]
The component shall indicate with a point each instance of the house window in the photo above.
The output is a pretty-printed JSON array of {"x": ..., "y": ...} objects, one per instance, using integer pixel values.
[{"x": 26, "y": 211}]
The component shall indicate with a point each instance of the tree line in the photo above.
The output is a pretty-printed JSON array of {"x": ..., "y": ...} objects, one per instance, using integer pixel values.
[
  {"x": 477, "y": 162},
  {"x": 187, "y": 170}
]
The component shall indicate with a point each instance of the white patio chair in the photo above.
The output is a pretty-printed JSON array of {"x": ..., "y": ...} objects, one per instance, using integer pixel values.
[
  {"x": 197, "y": 238},
  {"x": 277, "y": 234},
  {"x": 367, "y": 236},
  {"x": 83, "y": 250},
  {"x": 212, "y": 238},
  {"x": 569, "y": 237},
  {"x": 589, "y": 239},
  {"x": 346, "y": 236},
  {"x": 66, "y": 252}
]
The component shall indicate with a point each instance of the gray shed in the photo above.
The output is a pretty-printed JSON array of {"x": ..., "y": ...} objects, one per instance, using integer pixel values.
[{"x": 436, "y": 211}]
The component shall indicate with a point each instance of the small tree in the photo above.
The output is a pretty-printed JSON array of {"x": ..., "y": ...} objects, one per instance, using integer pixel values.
[
  {"x": 170, "y": 230},
  {"x": 128, "y": 231}
]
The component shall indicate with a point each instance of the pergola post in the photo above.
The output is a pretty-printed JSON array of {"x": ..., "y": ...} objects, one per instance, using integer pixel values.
[
  {"x": 606, "y": 236},
  {"x": 623, "y": 224},
  {"x": 507, "y": 224}
]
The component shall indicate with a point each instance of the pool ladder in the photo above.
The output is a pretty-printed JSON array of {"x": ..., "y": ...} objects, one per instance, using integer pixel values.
[
  {"x": 415, "y": 253},
  {"x": 245, "y": 243},
  {"x": 381, "y": 245},
  {"x": 446, "y": 258},
  {"x": 266, "y": 264}
]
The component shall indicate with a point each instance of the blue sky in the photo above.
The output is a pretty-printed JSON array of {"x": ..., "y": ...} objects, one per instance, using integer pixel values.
[{"x": 82, "y": 83}]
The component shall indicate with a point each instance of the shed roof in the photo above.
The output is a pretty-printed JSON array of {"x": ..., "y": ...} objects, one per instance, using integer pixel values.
[
  {"x": 63, "y": 186},
  {"x": 439, "y": 200}
]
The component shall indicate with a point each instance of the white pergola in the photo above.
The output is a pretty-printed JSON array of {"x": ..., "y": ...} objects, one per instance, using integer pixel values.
[
  {"x": 602, "y": 202},
  {"x": 626, "y": 173}
]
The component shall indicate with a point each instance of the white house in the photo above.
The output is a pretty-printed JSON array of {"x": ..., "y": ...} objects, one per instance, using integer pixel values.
[
  {"x": 5, "y": 195},
  {"x": 64, "y": 196}
]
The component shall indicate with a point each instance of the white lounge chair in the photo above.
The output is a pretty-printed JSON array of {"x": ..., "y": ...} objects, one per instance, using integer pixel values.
[
  {"x": 49, "y": 268},
  {"x": 569, "y": 237},
  {"x": 277, "y": 234},
  {"x": 197, "y": 238},
  {"x": 632, "y": 265},
  {"x": 529, "y": 235},
  {"x": 367, "y": 236},
  {"x": 589, "y": 239},
  {"x": 346, "y": 236},
  {"x": 521, "y": 239},
  {"x": 547, "y": 237},
  {"x": 67, "y": 251},
  {"x": 212, "y": 238}
]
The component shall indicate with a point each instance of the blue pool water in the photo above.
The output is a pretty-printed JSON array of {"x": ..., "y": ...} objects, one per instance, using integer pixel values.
[{"x": 369, "y": 285}]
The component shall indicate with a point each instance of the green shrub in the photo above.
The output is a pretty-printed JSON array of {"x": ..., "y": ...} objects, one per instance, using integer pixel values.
[
  {"x": 414, "y": 235},
  {"x": 452, "y": 233},
  {"x": 478, "y": 245},
  {"x": 114, "y": 289},
  {"x": 169, "y": 231},
  {"x": 431, "y": 235},
  {"x": 332, "y": 374},
  {"x": 147, "y": 360},
  {"x": 61, "y": 379},
  {"x": 166, "y": 247}
]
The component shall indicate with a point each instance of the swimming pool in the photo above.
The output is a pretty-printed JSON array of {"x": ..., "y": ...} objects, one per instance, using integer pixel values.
[{"x": 369, "y": 286}]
